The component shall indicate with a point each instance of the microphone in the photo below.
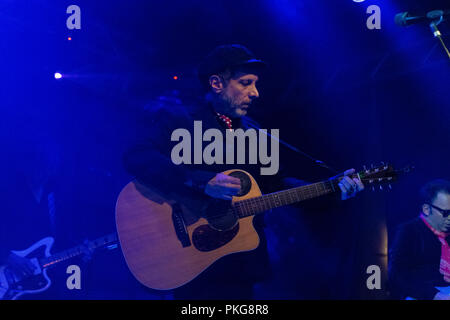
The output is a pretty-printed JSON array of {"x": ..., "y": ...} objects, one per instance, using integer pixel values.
[
  {"x": 435, "y": 17},
  {"x": 404, "y": 19}
]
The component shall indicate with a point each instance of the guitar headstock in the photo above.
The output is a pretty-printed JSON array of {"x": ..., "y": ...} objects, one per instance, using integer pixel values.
[{"x": 383, "y": 174}]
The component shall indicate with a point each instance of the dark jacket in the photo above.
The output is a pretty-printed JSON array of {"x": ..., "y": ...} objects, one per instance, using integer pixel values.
[
  {"x": 150, "y": 161},
  {"x": 414, "y": 261},
  {"x": 233, "y": 276}
]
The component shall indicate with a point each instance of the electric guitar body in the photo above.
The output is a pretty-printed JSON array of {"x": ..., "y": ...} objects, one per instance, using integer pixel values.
[
  {"x": 13, "y": 284},
  {"x": 12, "y": 287}
]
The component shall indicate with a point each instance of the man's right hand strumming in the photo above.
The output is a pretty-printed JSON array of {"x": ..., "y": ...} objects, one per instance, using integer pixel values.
[{"x": 223, "y": 187}]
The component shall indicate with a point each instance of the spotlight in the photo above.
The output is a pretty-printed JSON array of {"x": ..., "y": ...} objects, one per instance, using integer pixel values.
[
  {"x": 359, "y": 0},
  {"x": 69, "y": 38},
  {"x": 175, "y": 77},
  {"x": 58, "y": 75}
]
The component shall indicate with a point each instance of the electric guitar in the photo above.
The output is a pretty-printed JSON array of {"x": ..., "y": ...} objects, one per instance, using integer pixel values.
[
  {"x": 164, "y": 252},
  {"x": 13, "y": 286}
]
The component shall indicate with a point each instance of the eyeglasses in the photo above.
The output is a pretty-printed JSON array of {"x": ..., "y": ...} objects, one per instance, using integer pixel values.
[{"x": 445, "y": 213}]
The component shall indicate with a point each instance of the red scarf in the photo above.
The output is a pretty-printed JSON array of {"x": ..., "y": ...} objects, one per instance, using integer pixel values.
[
  {"x": 227, "y": 121},
  {"x": 444, "y": 268}
]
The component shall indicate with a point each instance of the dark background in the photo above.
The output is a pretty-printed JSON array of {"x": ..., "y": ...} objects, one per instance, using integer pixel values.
[{"x": 345, "y": 94}]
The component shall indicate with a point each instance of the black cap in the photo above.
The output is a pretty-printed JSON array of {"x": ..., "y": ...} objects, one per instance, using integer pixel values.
[{"x": 227, "y": 57}]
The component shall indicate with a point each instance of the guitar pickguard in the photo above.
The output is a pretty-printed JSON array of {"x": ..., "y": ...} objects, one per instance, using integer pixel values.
[{"x": 207, "y": 239}]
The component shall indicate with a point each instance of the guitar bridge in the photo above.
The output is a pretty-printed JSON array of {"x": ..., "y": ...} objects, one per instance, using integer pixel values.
[{"x": 180, "y": 227}]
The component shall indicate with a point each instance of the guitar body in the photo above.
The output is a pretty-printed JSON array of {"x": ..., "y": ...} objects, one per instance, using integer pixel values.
[
  {"x": 12, "y": 287},
  {"x": 168, "y": 240},
  {"x": 153, "y": 251}
]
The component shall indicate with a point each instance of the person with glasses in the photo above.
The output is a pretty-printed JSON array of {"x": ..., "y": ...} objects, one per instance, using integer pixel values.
[{"x": 419, "y": 260}]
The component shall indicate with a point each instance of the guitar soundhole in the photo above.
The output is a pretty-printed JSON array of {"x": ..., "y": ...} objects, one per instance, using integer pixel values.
[
  {"x": 246, "y": 183},
  {"x": 207, "y": 239}
]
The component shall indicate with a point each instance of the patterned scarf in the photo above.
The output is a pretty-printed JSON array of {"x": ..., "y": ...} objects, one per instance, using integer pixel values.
[
  {"x": 227, "y": 121},
  {"x": 444, "y": 268}
]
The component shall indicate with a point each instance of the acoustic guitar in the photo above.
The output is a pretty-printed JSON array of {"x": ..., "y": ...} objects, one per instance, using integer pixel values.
[{"x": 165, "y": 251}]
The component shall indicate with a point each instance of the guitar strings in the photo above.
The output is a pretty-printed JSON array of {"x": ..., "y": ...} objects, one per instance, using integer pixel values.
[{"x": 258, "y": 204}]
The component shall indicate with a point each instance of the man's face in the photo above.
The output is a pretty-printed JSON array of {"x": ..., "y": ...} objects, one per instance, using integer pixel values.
[
  {"x": 435, "y": 218},
  {"x": 238, "y": 94}
]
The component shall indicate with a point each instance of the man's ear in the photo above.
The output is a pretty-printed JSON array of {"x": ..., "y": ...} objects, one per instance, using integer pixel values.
[
  {"x": 216, "y": 83},
  {"x": 426, "y": 209}
]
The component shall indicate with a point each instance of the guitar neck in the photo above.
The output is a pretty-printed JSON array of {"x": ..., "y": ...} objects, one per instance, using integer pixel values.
[
  {"x": 77, "y": 251},
  {"x": 269, "y": 201}
]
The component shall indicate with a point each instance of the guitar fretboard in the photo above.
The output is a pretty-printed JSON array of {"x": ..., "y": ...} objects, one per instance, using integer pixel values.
[
  {"x": 248, "y": 207},
  {"x": 77, "y": 251}
]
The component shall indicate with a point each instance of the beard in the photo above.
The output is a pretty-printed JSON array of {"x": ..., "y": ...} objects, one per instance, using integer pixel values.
[{"x": 230, "y": 107}]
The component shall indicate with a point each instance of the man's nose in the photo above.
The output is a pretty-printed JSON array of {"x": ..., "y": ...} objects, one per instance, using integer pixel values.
[{"x": 254, "y": 93}]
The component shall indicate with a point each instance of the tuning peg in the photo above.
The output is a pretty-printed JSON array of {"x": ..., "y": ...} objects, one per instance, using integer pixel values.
[
  {"x": 390, "y": 187},
  {"x": 381, "y": 187}
]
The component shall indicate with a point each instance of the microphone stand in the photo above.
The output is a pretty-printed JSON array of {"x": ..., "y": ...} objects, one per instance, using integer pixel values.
[{"x": 438, "y": 15}]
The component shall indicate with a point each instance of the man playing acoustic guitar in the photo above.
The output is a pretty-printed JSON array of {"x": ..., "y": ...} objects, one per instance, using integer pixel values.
[{"x": 229, "y": 75}]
